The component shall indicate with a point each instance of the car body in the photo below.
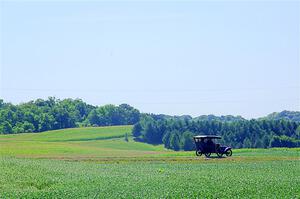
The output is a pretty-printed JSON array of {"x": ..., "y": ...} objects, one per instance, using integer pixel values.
[{"x": 205, "y": 145}]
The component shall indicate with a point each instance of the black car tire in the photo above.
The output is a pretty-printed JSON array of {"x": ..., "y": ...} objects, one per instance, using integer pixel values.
[
  {"x": 198, "y": 153},
  {"x": 228, "y": 153},
  {"x": 219, "y": 155},
  {"x": 207, "y": 155}
]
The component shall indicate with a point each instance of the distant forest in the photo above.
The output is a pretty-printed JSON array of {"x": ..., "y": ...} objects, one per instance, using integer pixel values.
[
  {"x": 175, "y": 132},
  {"x": 42, "y": 115}
]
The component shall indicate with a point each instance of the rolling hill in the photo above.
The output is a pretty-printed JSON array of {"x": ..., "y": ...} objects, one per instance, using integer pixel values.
[{"x": 76, "y": 143}]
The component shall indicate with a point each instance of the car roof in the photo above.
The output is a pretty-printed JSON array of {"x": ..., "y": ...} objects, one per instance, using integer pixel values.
[{"x": 207, "y": 136}]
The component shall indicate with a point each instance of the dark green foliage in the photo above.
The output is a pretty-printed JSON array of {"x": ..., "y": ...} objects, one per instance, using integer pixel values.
[
  {"x": 126, "y": 137},
  {"x": 175, "y": 141},
  {"x": 226, "y": 118},
  {"x": 284, "y": 141},
  {"x": 177, "y": 134},
  {"x": 42, "y": 115},
  {"x": 151, "y": 133},
  {"x": 6, "y": 128},
  {"x": 28, "y": 127},
  {"x": 109, "y": 115},
  {"x": 284, "y": 115},
  {"x": 187, "y": 141},
  {"x": 247, "y": 143},
  {"x": 137, "y": 130},
  {"x": 166, "y": 139},
  {"x": 18, "y": 128}
]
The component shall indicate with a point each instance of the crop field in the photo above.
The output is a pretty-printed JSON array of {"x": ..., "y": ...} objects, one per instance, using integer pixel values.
[{"x": 99, "y": 163}]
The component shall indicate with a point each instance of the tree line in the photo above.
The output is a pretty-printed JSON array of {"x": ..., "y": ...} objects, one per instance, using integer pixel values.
[
  {"x": 42, "y": 115},
  {"x": 177, "y": 134},
  {"x": 286, "y": 115}
]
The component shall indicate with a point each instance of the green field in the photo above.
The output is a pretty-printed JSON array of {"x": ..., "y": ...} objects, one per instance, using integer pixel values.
[
  {"x": 99, "y": 163},
  {"x": 82, "y": 143}
]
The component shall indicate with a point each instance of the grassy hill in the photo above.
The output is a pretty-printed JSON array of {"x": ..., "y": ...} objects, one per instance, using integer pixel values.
[
  {"x": 73, "y": 134},
  {"x": 77, "y": 143}
]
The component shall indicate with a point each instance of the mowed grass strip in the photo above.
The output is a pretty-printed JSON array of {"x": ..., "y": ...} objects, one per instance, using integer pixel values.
[
  {"x": 72, "y": 134},
  {"x": 32, "y": 178}
]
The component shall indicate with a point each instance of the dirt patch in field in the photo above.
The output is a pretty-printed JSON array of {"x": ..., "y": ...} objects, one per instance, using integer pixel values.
[{"x": 163, "y": 159}]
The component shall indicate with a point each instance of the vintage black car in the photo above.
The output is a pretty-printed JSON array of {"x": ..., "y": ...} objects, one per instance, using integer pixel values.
[{"x": 205, "y": 145}]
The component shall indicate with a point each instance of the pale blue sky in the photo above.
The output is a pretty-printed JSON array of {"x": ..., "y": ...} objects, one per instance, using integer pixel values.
[{"x": 221, "y": 57}]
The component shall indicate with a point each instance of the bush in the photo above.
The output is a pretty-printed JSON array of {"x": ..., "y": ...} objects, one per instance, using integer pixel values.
[{"x": 284, "y": 141}]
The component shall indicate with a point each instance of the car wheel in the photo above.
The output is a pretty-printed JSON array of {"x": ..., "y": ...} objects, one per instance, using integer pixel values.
[
  {"x": 198, "y": 153},
  {"x": 229, "y": 153},
  {"x": 207, "y": 155},
  {"x": 219, "y": 155}
]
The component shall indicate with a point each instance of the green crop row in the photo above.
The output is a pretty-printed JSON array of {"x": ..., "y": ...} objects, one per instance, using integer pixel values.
[{"x": 28, "y": 178}]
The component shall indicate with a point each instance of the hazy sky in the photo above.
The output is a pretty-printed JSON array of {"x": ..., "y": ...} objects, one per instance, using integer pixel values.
[{"x": 220, "y": 57}]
